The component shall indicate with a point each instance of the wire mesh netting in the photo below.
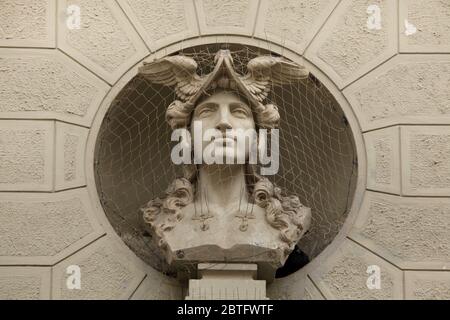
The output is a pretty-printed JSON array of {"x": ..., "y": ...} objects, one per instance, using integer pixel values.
[{"x": 317, "y": 154}]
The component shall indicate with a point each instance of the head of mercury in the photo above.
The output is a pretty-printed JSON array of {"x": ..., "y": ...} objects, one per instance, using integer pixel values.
[{"x": 226, "y": 202}]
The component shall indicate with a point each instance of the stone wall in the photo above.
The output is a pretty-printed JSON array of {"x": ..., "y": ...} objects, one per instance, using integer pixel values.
[{"x": 56, "y": 84}]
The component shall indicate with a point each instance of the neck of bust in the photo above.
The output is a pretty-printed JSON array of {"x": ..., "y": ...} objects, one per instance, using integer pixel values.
[{"x": 222, "y": 185}]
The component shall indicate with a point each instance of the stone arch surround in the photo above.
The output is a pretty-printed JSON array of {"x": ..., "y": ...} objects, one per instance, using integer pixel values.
[{"x": 59, "y": 83}]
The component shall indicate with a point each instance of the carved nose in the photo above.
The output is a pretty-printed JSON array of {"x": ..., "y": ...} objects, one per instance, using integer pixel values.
[
  {"x": 224, "y": 125},
  {"x": 224, "y": 121}
]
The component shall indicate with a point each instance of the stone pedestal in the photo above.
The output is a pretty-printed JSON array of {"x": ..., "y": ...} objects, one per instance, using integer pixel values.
[{"x": 218, "y": 281}]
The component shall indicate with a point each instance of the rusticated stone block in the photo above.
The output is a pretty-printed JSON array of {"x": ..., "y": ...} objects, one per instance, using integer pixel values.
[
  {"x": 105, "y": 41},
  {"x": 383, "y": 160},
  {"x": 311, "y": 292},
  {"x": 406, "y": 89},
  {"x": 161, "y": 23},
  {"x": 359, "y": 35},
  {"x": 426, "y": 157},
  {"x": 42, "y": 229},
  {"x": 26, "y": 155},
  {"x": 158, "y": 288},
  {"x": 346, "y": 273},
  {"x": 47, "y": 84},
  {"x": 70, "y": 146},
  {"x": 296, "y": 286},
  {"x": 24, "y": 283},
  {"x": 292, "y": 23},
  {"x": 409, "y": 232},
  {"x": 426, "y": 285},
  {"x": 424, "y": 26},
  {"x": 27, "y": 23},
  {"x": 219, "y": 17},
  {"x": 105, "y": 273},
  {"x": 291, "y": 287}
]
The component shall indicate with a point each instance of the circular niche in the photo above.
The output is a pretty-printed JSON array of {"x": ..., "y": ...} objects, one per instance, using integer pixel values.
[{"x": 318, "y": 161}]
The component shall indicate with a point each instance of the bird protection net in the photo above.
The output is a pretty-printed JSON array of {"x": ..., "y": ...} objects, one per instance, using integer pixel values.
[{"x": 317, "y": 154}]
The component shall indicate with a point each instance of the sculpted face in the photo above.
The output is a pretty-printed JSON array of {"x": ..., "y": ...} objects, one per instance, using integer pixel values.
[{"x": 227, "y": 116}]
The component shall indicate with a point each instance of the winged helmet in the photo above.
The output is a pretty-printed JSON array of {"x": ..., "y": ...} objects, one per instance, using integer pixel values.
[{"x": 263, "y": 72}]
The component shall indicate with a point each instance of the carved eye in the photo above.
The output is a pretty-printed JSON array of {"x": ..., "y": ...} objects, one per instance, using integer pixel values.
[
  {"x": 205, "y": 111},
  {"x": 240, "y": 111}
]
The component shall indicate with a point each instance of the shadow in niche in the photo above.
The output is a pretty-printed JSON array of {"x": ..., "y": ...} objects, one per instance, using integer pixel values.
[{"x": 296, "y": 260}]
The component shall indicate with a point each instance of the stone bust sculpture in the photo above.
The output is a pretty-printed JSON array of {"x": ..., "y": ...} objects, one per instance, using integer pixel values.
[{"x": 224, "y": 212}]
